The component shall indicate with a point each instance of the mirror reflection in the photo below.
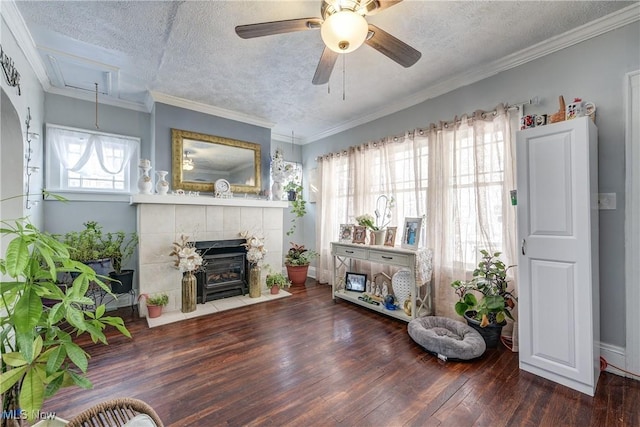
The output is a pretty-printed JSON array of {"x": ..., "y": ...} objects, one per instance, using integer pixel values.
[{"x": 199, "y": 160}]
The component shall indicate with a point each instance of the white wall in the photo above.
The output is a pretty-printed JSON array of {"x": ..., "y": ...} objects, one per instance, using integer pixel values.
[
  {"x": 12, "y": 160},
  {"x": 593, "y": 70}
]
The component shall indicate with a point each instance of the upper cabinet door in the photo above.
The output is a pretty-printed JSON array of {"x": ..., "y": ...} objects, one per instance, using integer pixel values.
[{"x": 558, "y": 257}]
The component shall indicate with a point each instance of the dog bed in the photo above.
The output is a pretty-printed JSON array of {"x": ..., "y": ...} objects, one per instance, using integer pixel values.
[{"x": 449, "y": 339}]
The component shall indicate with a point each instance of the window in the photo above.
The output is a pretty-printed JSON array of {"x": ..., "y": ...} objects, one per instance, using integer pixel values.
[{"x": 87, "y": 161}]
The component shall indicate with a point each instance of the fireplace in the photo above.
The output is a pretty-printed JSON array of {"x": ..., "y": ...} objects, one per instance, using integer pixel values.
[{"x": 224, "y": 273}]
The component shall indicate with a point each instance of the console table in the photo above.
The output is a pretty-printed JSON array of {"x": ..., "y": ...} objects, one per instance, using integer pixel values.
[{"x": 417, "y": 261}]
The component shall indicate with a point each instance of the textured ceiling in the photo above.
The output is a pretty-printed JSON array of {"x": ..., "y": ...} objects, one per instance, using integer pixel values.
[{"x": 189, "y": 50}]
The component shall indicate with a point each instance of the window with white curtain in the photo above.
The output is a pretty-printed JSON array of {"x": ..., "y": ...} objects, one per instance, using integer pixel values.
[
  {"x": 88, "y": 161},
  {"x": 457, "y": 175}
]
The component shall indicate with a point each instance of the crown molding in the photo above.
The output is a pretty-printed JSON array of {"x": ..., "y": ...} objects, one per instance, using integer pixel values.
[
  {"x": 587, "y": 31},
  {"x": 210, "y": 109},
  {"x": 25, "y": 42},
  {"x": 103, "y": 100},
  {"x": 279, "y": 137}
]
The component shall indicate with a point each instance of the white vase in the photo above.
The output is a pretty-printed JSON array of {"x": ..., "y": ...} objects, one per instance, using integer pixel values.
[
  {"x": 401, "y": 284},
  {"x": 276, "y": 191},
  {"x": 145, "y": 184},
  {"x": 162, "y": 185}
]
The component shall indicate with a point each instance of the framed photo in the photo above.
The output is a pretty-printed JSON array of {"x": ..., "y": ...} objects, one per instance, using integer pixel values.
[
  {"x": 390, "y": 237},
  {"x": 411, "y": 233},
  {"x": 346, "y": 233},
  {"x": 359, "y": 234},
  {"x": 356, "y": 282}
]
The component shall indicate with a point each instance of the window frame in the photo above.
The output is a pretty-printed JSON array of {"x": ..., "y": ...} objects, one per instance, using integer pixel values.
[{"x": 57, "y": 178}]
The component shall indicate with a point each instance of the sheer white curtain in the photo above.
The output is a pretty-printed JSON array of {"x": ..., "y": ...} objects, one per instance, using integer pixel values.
[
  {"x": 471, "y": 171},
  {"x": 457, "y": 174},
  {"x": 75, "y": 149}
]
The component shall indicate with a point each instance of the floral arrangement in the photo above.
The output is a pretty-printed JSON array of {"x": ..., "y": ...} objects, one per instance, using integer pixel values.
[
  {"x": 187, "y": 258},
  {"x": 255, "y": 247},
  {"x": 367, "y": 221},
  {"x": 279, "y": 170},
  {"x": 382, "y": 212}
]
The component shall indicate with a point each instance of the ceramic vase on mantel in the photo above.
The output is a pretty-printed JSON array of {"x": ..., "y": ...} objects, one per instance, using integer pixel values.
[
  {"x": 188, "y": 292},
  {"x": 254, "y": 281},
  {"x": 145, "y": 185},
  {"x": 277, "y": 191},
  {"x": 162, "y": 185}
]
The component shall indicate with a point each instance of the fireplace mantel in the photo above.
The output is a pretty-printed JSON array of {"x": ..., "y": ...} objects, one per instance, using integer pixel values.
[
  {"x": 174, "y": 199},
  {"x": 161, "y": 220}
]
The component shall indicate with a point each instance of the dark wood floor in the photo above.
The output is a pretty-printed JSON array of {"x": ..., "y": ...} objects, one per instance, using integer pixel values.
[{"x": 307, "y": 361}]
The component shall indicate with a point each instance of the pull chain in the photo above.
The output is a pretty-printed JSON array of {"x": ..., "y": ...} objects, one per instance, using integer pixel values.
[
  {"x": 97, "y": 106},
  {"x": 343, "y": 75}
]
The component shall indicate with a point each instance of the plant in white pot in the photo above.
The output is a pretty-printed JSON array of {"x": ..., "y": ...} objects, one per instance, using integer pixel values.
[
  {"x": 39, "y": 355},
  {"x": 489, "y": 313}
]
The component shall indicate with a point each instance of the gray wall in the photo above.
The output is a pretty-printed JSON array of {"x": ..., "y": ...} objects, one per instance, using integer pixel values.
[
  {"x": 167, "y": 117},
  {"x": 593, "y": 70}
]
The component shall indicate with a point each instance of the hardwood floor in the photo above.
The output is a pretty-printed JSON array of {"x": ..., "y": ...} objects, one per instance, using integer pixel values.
[{"x": 307, "y": 361}]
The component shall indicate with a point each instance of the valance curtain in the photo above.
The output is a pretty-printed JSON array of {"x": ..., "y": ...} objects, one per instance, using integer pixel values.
[
  {"x": 75, "y": 149},
  {"x": 456, "y": 174}
]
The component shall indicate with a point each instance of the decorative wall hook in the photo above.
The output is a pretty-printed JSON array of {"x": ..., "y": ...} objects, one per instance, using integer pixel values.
[{"x": 10, "y": 72}]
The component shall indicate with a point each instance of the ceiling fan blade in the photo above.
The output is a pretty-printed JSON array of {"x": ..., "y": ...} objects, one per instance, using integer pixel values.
[
  {"x": 385, "y": 4},
  {"x": 325, "y": 66},
  {"x": 392, "y": 47},
  {"x": 277, "y": 27}
]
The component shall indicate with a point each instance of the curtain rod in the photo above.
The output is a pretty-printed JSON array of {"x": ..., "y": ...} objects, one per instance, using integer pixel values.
[{"x": 509, "y": 107}]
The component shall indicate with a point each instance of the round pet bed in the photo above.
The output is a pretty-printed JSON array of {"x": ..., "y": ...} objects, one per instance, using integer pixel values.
[{"x": 447, "y": 338}]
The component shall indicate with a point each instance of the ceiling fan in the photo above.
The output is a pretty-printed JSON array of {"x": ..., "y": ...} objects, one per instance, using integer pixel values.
[{"x": 343, "y": 29}]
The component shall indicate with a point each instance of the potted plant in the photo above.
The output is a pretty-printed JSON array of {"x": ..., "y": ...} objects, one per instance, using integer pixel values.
[
  {"x": 297, "y": 261},
  {"x": 489, "y": 313},
  {"x": 155, "y": 304},
  {"x": 119, "y": 247},
  {"x": 36, "y": 342},
  {"x": 87, "y": 246},
  {"x": 294, "y": 190},
  {"x": 277, "y": 281},
  {"x": 298, "y": 204}
]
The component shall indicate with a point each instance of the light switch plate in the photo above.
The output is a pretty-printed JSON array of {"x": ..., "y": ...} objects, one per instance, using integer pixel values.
[{"x": 606, "y": 201}]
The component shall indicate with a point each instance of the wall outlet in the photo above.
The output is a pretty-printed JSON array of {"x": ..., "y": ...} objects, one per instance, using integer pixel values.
[{"x": 606, "y": 200}]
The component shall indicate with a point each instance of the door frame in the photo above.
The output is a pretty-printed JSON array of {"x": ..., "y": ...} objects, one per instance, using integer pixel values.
[{"x": 632, "y": 216}]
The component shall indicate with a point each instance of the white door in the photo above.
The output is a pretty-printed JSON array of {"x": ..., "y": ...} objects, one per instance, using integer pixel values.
[{"x": 557, "y": 262}]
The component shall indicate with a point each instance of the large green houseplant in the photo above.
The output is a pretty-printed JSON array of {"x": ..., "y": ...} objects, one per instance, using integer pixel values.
[
  {"x": 36, "y": 341},
  {"x": 488, "y": 313},
  {"x": 103, "y": 252}
]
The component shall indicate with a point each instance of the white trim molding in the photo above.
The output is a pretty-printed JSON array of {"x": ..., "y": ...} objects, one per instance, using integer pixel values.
[
  {"x": 210, "y": 109},
  {"x": 632, "y": 219},
  {"x": 614, "y": 355}
]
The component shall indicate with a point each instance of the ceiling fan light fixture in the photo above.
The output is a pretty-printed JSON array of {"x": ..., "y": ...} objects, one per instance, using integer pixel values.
[{"x": 344, "y": 31}]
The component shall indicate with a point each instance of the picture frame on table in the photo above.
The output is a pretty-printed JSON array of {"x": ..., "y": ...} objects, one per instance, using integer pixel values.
[
  {"x": 359, "y": 234},
  {"x": 346, "y": 233},
  {"x": 355, "y": 282},
  {"x": 411, "y": 233},
  {"x": 390, "y": 237}
]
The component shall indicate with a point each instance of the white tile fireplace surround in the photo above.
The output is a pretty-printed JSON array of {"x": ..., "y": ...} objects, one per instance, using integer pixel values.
[{"x": 162, "y": 219}]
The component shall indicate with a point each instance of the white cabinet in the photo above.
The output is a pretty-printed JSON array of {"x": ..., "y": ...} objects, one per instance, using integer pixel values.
[{"x": 558, "y": 286}]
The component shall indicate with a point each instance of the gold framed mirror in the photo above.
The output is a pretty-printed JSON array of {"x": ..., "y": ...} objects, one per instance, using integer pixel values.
[{"x": 198, "y": 160}]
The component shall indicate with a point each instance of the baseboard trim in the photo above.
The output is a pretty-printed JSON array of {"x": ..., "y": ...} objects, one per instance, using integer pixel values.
[{"x": 614, "y": 355}]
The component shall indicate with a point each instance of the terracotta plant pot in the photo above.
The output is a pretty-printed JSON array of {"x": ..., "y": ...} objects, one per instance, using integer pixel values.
[
  {"x": 154, "y": 310},
  {"x": 297, "y": 273},
  {"x": 275, "y": 290}
]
